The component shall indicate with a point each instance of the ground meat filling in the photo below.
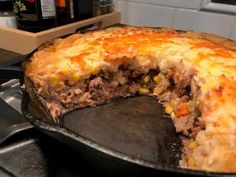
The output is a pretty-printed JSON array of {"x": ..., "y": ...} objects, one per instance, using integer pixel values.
[
  {"x": 174, "y": 89},
  {"x": 105, "y": 86}
]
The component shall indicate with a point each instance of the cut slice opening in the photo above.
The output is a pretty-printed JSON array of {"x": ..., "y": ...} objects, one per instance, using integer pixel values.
[{"x": 174, "y": 89}]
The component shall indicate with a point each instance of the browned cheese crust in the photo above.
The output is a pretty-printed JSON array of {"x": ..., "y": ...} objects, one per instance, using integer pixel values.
[{"x": 209, "y": 60}]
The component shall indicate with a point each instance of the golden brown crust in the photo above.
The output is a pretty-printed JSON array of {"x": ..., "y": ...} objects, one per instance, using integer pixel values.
[
  {"x": 212, "y": 57},
  {"x": 219, "y": 40}
]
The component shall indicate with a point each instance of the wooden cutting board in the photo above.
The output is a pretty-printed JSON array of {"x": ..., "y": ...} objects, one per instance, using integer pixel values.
[{"x": 24, "y": 42}]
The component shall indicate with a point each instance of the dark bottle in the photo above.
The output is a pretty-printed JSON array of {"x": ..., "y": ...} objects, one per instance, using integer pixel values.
[
  {"x": 69, "y": 11},
  {"x": 84, "y": 9},
  {"x": 65, "y": 11},
  {"x": 35, "y": 15}
]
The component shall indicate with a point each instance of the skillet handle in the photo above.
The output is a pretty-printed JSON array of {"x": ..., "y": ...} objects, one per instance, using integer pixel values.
[{"x": 9, "y": 72}]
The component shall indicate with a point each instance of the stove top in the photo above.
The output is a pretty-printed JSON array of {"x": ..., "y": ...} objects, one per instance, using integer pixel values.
[
  {"x": 34, "y": 154},
  {"x": 10, "y": 92},
  {"x": 29, "y": 152}
]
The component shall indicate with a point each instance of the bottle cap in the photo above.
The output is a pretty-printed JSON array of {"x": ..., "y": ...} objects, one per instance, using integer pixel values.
[{"x": 6, "y": 5}]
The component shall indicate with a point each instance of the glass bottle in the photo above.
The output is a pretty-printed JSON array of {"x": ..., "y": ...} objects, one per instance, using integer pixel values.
[
  {"x": 73, "y": 10},
  {"x": 83, "y": 9},
  {"x": 65, "y": 11},
  {"x": 35, "y": 15}
]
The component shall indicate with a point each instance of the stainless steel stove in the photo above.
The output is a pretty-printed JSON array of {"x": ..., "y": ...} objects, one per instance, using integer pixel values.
[
  {"x": 10, "y": 92},
  {"x": 24, "y": 151}
]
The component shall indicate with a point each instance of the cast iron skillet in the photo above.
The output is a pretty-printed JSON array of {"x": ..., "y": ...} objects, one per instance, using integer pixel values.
[{"x": 127, "y": 136}]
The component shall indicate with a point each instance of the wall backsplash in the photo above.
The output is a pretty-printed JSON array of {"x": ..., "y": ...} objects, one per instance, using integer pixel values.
[{"x": 178, "y": 14}]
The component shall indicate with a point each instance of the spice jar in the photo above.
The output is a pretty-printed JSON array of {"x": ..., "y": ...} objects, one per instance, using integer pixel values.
[
  {"x": 7, "y": 17},
  {"x": 101, "y": 7},
  {"x": 35, "y": 15}
]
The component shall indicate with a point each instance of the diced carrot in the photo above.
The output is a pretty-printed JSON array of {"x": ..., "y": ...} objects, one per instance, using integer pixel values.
[{"x": 182, "y": 110}]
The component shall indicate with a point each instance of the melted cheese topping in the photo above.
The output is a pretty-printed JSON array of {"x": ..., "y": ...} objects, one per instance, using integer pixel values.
[{"x": 80, "y": 55}]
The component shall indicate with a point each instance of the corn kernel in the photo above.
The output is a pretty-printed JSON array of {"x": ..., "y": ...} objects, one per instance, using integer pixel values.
[
  {"x": 173, "y": 103},
  {"x": 54, "y": 80},
  {"x": 143, "y": 91},
  {"x": 94, "y": 70},
  {"x": 190, "y": 105},
  {"x": 191, "y": 162},
  {"x": 146, "y": 79},
  {"x": 192, "y": 145},
  {"x": 74, "y": 78},
  {"x": 81, "y": 99},
  {"x": 168, "y": 109},
  {"x": 156, "y": 79},
  {"x": 66, "y": 70}
]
